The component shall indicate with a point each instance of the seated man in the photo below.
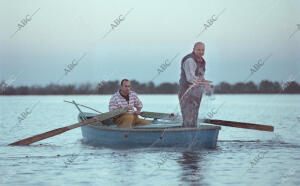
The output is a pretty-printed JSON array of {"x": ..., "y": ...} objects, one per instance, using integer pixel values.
[{"x": 125, "y": 98}]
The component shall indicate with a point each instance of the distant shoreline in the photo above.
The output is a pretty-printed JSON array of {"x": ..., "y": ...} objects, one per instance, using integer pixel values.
[
  {"x": 110, "y": 87},
  {"x": 5, "y": 95}
]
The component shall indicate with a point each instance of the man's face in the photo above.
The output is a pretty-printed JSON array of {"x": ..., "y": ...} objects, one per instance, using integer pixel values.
[
  {"x": 199, "y": 50},
  {"x": 125, "y": 87}
]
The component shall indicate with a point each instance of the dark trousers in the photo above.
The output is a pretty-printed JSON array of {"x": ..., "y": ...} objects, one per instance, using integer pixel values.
[{"x": 190, "y": 104}]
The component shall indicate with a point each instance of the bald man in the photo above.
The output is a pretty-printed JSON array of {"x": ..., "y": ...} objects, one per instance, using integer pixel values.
[{"x": 192, "y": 84}]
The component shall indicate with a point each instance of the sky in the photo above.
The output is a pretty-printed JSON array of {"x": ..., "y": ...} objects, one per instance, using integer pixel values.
[{"x": 242, "y": 35}]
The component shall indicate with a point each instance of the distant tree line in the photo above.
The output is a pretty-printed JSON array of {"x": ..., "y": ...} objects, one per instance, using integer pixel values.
[{"x": 109, "y": 87}]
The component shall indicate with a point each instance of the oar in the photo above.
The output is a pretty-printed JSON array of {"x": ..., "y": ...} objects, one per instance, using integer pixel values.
[
  {"x": 240, "y": 125},
  {"x": 165, "y": 116},
  {"x": 39, "y": 137}
]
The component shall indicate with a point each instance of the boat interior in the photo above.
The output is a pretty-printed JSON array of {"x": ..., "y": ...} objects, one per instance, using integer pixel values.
[{"x": 161, "y": 123}]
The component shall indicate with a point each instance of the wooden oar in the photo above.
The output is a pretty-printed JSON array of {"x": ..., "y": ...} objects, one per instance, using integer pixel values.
[
  {"x": 164, "y": 116},
  {"x": 39, "y": 137},
  {"x": 240, "y": 125}
]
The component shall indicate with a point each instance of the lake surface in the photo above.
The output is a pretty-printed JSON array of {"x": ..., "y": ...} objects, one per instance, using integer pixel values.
[{"x": 242, "y": 157}]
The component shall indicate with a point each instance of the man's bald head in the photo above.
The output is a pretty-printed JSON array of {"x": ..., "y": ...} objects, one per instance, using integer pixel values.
[
  {"x": 199, "y": 49},
  {"x": 199, "y": 43}
]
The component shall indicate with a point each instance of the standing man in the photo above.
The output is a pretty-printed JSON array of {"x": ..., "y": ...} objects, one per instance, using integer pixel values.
[
  {"x": 125, "y": 98},
  {"x": 192, "y": 84}
]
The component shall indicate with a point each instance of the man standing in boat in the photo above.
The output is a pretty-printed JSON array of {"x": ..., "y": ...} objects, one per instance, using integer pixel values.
[
  {"x": 125, "y": 98},
  {"x": 192, "y": 85}
]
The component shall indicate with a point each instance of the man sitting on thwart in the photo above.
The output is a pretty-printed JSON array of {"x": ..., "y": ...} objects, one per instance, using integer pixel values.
[{"x": 125, "y": 98}]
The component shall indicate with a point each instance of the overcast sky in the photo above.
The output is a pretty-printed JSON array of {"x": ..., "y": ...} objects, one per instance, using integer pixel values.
[{"x": 151, "y": 33}]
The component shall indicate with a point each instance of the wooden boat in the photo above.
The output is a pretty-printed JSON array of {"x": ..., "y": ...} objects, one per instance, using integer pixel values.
[
  {"x": 157, "y": 134},
  {"x": 100, "y": 129}
]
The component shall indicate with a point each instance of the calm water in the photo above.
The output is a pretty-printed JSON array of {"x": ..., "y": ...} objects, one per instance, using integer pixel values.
[{"x": 242, "y": 157}]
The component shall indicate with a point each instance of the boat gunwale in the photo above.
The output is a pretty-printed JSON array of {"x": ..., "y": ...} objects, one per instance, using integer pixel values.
[{"x": 165, "y": 129}]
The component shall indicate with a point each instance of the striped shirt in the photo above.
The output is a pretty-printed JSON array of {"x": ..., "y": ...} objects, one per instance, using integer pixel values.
[{"x": 117, "y": 101}]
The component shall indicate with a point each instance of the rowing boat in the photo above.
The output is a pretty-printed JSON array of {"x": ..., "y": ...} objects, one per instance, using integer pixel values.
[
  {"x": 156, "y": 134},
  {"x": 100, "y": 129}
]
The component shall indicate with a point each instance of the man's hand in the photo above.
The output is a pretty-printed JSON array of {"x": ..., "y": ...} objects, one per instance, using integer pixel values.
[
  {"x": 205, "y": 83},
  {"x": 137, "y": 112},
  {"x": 129, "y": 108},
  {"x": 202, "y": 81},
  {"x": 198, "y": 81}
]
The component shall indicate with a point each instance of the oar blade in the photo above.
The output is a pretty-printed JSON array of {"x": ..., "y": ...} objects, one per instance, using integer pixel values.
[
  {"x": 243, "y": 125},
  {"x": 39, "y": 137}
]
